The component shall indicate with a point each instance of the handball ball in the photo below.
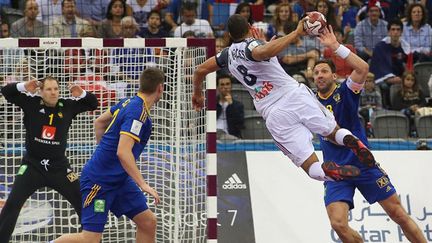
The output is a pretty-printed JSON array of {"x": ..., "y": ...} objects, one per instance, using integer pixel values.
[{"x": 315, "y": 23}]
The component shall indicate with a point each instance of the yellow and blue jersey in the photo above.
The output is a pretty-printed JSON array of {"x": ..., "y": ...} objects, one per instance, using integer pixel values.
[
  {"x": 344, "y": 103},
  {"x": 129, "y": 117}
]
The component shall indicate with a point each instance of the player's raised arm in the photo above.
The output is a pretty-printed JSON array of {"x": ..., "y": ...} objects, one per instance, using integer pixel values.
[
  {"x": 200, "y": 73},
  {"x": 361, "y": 68},
  {"x": 275, "y": 46}
]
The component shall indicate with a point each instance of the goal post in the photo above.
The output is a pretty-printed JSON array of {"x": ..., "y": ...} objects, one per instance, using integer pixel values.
[{"x": 179, "y": 160}]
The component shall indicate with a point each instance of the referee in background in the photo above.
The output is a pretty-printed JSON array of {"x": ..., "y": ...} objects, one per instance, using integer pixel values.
[{"x": 47, "y": 119}]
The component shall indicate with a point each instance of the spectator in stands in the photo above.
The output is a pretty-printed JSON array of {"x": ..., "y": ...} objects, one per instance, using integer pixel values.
[
  {"x": 201, "y": 27},
  {"x": 68, "y": 25},
  {"x": 389, "y": 57},
  {"x": 140, "y": 9},
  {"x": 418, "y": 33},
  {"x": 94, "y": 11},
  {"x": 326, "y": 8},
  {"x": 5, "y": 33},
  {"x": 282, "y": 16},
  {"x": 369, "y": 32},
  {"x": 301, "y": 7},
  {"x": 370, "y": 100},
  {"x": 130, "y": 27},
  {"x": 346, "y": 19},
  {"x": 230, "y": 112},
  {"x": 299, "y": 57},
  {"x": 343, "y": 70},
  {"x": 363, "y": 11},
  {"x": 409, "y": 99},
  {"x": 220, "y": 44},
  {"x": 244, "y": 10},
  {"x": 111, "y": 26},
  {"x": 153, "y": 29},
  {"x": 29, "y": 26},
  {"x": 172, "y": 16},
  {"x": 49, "y": 10}
]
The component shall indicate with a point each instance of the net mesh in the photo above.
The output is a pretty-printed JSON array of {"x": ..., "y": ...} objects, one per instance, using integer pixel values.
[{"x": 173, "y": 161}]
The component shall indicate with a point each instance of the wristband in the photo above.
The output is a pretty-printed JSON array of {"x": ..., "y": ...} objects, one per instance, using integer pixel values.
[{"x": 342, "y": 51}]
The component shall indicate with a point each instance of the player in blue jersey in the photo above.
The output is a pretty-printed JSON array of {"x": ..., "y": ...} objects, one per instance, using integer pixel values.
[
  {"x": 111, "y": 180},
  {"x": 343, "y": 100}
]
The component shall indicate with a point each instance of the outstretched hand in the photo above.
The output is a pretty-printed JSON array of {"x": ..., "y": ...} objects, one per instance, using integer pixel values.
[
  {"x": 75, "y": 90},
  {"x": 328, "y": 38},
  {"x": 198, "y": 101}
]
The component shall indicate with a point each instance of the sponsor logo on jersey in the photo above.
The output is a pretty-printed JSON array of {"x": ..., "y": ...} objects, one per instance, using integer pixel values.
[
  {"x": 48, "y": 132},
  {"x": 99, "y": 206},
  {"x": 72, "y": 176},
  {"x": 234, "y": 183},
  {"x": 136, "y": 127},
  {"x": 263, "y": 91},
  {"x": 336, "y": 97},
  {"x": 382, "y": 181}
]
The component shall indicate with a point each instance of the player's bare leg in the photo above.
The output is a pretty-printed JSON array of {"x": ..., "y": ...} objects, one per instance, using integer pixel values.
[
  {"x": 338, "y": 215},
  {"x": 84, "y": 236},
  {"x": 328, "y": 171},
  {"x": 146, "y": 227},
  {"x": 344, "y": 137},
  {"x": 397, "y": 213}
]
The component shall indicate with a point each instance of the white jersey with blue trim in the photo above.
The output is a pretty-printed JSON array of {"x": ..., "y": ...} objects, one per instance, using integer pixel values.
[{"x": 265, "y": 80}]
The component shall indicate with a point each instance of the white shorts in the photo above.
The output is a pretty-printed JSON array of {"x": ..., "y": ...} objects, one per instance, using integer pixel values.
[{"x": 293, "y": 118}]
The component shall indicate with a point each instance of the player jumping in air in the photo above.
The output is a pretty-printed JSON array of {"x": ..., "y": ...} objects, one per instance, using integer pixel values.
[{"x": 290, "y": 109}]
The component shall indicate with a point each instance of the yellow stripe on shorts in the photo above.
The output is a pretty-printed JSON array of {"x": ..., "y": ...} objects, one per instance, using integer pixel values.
[{"x": 91, "y": 195}]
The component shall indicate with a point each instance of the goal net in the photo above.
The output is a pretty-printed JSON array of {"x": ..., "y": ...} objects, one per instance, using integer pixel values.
[{"x": 174, "y": 161}]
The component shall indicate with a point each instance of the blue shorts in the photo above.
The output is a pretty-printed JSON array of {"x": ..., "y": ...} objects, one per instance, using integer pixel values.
[
  {"x": 127, "y": 199},
  {"x": 373, "y": 183}
]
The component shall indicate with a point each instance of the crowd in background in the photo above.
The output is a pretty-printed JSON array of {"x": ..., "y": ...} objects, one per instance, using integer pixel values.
[{"x": 392, "y": 36}]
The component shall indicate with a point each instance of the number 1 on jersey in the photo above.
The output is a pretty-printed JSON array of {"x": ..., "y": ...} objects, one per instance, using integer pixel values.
[{"x": 51, "y": 119}]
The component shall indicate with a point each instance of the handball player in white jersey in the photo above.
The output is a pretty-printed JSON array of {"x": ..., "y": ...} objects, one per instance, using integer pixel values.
[{"x": 291, "y": 111}]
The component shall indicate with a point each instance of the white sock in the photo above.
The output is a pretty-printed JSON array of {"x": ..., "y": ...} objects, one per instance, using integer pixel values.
[
  {"x": 316, "y": 172},
  {"x": 340, "y": 135},
  {"x": 51, "y": 241}
]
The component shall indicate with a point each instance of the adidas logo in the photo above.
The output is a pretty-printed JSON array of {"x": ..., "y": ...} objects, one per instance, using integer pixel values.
[
  {"x": 42, "y": 111},
  {"x": 233, "y": 183}
]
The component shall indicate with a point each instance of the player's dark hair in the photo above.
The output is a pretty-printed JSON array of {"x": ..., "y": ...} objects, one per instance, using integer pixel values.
[
  {"x": 238, "y": 27},
  {"x": 328, "y": 62},
  {"x": 47, "y": 78},
  {"x": 150, "y": 79}
]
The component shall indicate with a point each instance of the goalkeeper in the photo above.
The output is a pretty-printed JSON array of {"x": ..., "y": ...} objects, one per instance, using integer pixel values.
[
  {"x": 47, "y": 119},
  {"x": 111, "y": 180}
]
